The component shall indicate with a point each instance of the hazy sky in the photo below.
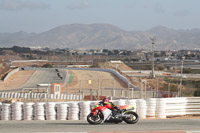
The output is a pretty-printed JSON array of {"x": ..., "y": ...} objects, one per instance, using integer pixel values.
[{"x": 42, "y": 15}]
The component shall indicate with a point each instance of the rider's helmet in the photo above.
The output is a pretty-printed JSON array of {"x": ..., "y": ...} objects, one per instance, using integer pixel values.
[{"x": 105, "y": 100}]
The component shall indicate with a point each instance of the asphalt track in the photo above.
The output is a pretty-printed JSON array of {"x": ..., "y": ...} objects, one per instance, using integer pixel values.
[
  {"x": 44, "y": 77},
  {"x": 191, "y": 125}
]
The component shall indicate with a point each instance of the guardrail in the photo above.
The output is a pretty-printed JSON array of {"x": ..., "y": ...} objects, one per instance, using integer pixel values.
[{"x": 146, "y": 108}]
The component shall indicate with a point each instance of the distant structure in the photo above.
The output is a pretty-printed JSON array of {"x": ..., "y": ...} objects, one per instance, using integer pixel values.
[{"x": 153, "y": 39}]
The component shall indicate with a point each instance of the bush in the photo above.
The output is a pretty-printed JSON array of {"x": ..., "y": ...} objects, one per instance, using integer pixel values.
[
  {"x": 160, "y": 67},
  {"x": 48, "y": 65},
  {"x": 187, "y": 70}
]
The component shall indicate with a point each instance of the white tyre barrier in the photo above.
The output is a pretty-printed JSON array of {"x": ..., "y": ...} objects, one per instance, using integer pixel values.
[
  {"x": 0, "y": 109},
  {"x": 28, "y": 111},
  {"x": 17, "y": 111},
  {"x": 120, "y": 102},
  {"x": 161, "y": 108},
  {"x": 6, "y": 112},
  {"x": 6, "y": 95},
  {"x": 2, "y": 94},
  {"x": 141, "y": 108},
  {"x": 151, "y": 107},
  {"x": 93, "y": 104},
  {"x": 84, "y": 110},
  {"x": 132, "y": 103},
  {"x": 50, "y": 111},
  {"x": 62, "y": 110},
  {"x": 39, "y": 111},
  {"x": 73, "y": 113}
]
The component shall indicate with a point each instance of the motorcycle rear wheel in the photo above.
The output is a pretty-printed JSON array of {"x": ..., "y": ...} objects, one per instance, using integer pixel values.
[
  {"x": 132, "y": 119},
  {"x": 94, "y": 120}
]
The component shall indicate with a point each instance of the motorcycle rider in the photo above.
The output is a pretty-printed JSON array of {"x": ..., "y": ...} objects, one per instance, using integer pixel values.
[{"x": 110, "y": 105}]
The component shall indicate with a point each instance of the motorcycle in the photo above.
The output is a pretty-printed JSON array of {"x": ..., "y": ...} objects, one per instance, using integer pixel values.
[{"x": 100, "y": 114}]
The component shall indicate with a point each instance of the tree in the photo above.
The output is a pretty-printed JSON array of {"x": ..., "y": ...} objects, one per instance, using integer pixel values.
[
  {"x": 160, "y": 67},
  {"x": 187, "y": 70},
  {"x": 47, "y": 65},
  {"x": 18, "y": 49}
]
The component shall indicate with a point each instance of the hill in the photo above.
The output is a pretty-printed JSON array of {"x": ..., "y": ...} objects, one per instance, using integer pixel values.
[{"x": 88, "y": 36}]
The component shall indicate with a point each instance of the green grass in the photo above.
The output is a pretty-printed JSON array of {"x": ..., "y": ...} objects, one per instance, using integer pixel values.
[{"x": 71, "y": 79}]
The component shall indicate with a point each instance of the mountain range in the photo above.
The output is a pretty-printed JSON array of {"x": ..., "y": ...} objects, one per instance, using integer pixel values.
[{"x": 90, "y": 36}]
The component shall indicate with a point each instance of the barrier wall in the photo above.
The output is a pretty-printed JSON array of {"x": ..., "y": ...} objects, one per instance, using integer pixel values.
[
  {"x": 146, "y": 108},
  {"x": 10, "y": 73}
]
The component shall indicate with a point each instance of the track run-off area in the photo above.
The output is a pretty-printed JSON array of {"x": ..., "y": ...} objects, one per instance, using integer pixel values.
[{"x": 178, "y": 125}]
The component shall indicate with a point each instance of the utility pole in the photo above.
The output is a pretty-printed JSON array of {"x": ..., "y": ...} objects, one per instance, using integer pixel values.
[
  {"x": 153, "y": 39},
  {"x": 175, "y": 64},
  {"x": 181, "y": 80},
  {"x": 157, "y": 87}
]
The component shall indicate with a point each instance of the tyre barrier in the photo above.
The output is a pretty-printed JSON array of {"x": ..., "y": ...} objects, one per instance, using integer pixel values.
[
  {"x": 0, "y": 110},
  {"x": 28, "y": 111},
  {"x": 43, "y": 96},
  {"x": 62, "y": 111},
  {"x": 132, "y": 103},
  {"x": 17, "y": 111},
  {"x": 119, "y": 102},
  {"x": 6, "y": 112},
  {"x": 146, "y": 108},
  {"x": 39, "y": 111},
  {"x": 50, "y": 111},
  {"x": 84, "y": 110},
  {"x": 160, "y": 108},
  {"x": 73, "y": 111},
  {"x": 141, "y": 108},
  {"x": 151, "y": 107}
]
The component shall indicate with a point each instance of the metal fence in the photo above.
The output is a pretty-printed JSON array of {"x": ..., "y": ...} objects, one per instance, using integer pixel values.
[{"x": 87, "y": 94}]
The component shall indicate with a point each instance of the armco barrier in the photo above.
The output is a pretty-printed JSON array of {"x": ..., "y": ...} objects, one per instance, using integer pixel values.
[{"x": 163, "y": 107}]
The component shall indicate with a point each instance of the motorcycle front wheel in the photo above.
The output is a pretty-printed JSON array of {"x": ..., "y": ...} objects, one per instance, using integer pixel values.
[
  {"x": 132, "y": 119},
  {"x": 94, "y": 119}
]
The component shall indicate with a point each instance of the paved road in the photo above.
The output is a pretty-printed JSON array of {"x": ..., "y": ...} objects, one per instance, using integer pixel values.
[
  {"x": 44, "y": 77},
  {"x": 82, "y": 126}
]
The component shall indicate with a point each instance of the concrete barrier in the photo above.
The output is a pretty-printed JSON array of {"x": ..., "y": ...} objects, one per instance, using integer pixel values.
[{"x": 10, "y": 73}]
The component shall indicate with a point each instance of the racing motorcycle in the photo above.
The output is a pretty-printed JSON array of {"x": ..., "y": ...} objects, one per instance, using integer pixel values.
[{"x": 100, "y": 114}]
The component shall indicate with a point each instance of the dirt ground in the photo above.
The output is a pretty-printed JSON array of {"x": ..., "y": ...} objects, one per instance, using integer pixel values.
[
  {"x": 81, "y": 78},
  {"x": 16, "y": 80},
  {"x": 94, "y": 80}
]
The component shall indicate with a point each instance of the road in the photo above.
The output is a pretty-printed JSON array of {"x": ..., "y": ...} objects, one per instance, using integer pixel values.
[
  {"x": 192, "y": 124},
  {"x": 44, "y": 77}
]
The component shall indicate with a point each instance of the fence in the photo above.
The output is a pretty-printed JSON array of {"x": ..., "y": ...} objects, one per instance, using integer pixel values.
[
  {"x": 88, "y": 94},
  {"x": 122, "y": 94}
]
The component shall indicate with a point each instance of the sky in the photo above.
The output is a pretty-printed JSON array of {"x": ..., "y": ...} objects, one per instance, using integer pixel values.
[{"x": 131, "y": 15}]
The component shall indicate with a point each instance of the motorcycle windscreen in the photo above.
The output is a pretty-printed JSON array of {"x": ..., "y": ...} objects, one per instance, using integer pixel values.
[{"x": 106, "y": 113}]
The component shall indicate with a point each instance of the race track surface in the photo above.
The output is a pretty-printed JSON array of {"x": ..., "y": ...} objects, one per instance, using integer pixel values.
[{"x": 145, "y": 125}]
